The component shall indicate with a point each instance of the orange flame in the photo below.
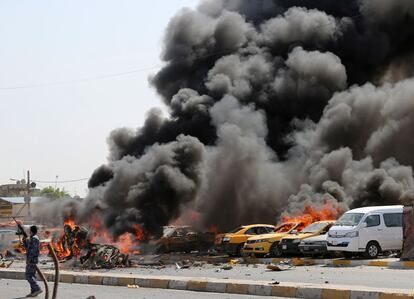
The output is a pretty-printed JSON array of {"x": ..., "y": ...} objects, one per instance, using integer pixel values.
[
  {"x": 125, "y": 242},
  {"x": 69, "y": 222},
  {"x": 328, "y": 211}
]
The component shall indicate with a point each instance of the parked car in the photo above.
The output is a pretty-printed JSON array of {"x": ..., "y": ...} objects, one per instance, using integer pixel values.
[
  {"x": 183, "y": 239},
  {"x": 269, "y": 243},
  {"x": 368, "y": 230},
  {"x": 314, "y": 246},
  {"x": 290, "y": 243},
  {"x": 232, "y": 243}
]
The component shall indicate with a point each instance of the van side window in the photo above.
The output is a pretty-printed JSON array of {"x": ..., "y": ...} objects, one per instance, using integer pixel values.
[
  {"x": 393, "y": 220},
  {"x": 372, "y": 220}
]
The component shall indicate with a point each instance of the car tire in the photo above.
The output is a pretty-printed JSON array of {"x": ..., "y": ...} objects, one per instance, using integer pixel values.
[
  {"x": 275, "y": 250},
  {"x": 372, "y": 250},
  {"x": 239, "y": 250}
]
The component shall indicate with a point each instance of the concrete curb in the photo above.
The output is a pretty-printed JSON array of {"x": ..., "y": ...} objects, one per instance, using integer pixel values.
[
  {"x": 334, "y": 262},
  {"x": 201, "y": 284}
]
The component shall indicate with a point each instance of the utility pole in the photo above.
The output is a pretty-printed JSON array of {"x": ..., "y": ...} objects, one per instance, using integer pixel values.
[{"x": 28, "y": 199}]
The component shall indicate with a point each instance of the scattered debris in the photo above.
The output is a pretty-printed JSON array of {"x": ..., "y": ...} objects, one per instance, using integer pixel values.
[
  {"x": 3, "y": 264},
  {"x": 275, "y": 282},
  {"x": 133, "y": 286},
  {"x": 274, "y": 267},
  {"x": 184, "y": 264},
  {"x": 226, "y": 267},
  {"x": 103, "y": 257},
  {"x": 282, "y": 266},
  {"x": 235, "y": 261}
]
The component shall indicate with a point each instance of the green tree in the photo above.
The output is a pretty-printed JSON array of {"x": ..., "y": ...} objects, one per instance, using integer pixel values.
[{"x": 54, "y": 193}]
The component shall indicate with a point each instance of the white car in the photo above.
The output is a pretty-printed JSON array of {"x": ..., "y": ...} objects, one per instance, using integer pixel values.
[{"x": 368, "y": 230}]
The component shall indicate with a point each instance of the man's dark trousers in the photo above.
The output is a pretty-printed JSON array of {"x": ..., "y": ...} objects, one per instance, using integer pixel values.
[{"x": 31, "y": 277}]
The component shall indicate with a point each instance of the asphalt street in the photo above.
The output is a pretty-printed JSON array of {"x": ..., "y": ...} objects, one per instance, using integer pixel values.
[
  {"x": 17, "y": 289},
  {"x": 358, "y": 276}
]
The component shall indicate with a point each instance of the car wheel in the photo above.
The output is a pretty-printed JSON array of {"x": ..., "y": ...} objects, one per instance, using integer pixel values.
[
  {"x": 275, "y": 250},
  {"x": 372, "y": 250},
  {"x": 239, "y": 250}
]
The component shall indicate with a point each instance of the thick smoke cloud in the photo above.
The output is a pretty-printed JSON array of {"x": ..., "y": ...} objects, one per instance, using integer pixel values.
[{"x": 273, "y": 104}]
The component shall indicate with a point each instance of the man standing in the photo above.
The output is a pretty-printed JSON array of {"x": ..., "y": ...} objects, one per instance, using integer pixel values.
[{"x": 32, "y": 254}]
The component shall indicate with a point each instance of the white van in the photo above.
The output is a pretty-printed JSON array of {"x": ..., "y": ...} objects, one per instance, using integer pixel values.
[{"x": 369, "y": 230}]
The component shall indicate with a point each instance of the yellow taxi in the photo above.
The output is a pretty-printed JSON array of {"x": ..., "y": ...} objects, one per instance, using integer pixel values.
[
  {"x": 232, "y": 242},
  {"x": 290, "y": 244},
  {"x": 268, "y": 243}
]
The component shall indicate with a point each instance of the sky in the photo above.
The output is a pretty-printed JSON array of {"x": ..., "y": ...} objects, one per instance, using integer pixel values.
[{"x": 61, "y": 130}]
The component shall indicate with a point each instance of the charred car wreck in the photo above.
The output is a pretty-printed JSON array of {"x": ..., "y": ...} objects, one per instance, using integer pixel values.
[{"x": 75, "y": 243}]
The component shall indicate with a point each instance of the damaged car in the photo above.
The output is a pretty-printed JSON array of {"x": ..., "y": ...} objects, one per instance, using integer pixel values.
[
  {"x": 290, "y": 244},
  {"x": 268, "y": 244},
  {"x": 314, "y": 246},
  {"x": 184, "y": 239},
  {"x": 233, "y": 242}
]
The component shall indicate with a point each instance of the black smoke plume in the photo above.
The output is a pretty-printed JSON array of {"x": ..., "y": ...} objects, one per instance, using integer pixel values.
[{"x": 272, "y": 104}]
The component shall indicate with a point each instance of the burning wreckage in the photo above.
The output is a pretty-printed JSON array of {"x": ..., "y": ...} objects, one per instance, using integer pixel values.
[{"x": 77, "y": 242}]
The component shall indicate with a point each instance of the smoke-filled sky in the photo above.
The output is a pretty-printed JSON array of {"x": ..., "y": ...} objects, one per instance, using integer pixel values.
[
  {"x": 62, "y": 130},
  {"x": 271, "y": 104}
]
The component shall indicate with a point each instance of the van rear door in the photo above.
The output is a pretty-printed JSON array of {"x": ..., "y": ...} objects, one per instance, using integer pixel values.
[{"x": 393, "y": 230}]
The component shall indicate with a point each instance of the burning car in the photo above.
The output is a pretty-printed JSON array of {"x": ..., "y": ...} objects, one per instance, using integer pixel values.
[
  {"x": 232, "y": 243},
  {"x": 269, "y": 243},
  {"x": 290, "y": 244},
  {"x": 183, "y": 239}
]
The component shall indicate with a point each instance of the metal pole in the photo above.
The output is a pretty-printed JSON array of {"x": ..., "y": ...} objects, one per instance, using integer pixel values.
[
  {"x": 57, "y": 275},
  {"x": 28, "y": 192},
  {"x": 42, "y": 276}
]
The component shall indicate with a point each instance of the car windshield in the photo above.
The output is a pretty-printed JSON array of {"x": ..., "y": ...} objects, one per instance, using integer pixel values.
[
  {"x": 349, "y": 219},
  {"x": 284, "y": 228},
  {"x": 313, "y": 228},
  {"x": 235, "y": 230}
]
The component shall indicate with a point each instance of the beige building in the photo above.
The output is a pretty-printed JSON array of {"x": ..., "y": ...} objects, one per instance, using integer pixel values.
[{"x": 10, "y": 206}]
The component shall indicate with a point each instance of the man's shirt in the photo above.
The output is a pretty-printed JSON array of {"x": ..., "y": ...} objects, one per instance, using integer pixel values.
[{"x": 32, "y": 245}]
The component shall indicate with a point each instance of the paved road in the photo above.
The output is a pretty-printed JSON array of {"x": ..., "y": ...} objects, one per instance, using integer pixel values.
[
  {"x": 17, "y": 289},
  {"x": 358, "y": 276}
]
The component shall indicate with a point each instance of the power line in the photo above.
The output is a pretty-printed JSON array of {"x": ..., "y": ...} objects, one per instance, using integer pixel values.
[
  {"x": 113, "y": 75},
  {"x": 178, "y": 61},
  {"x": 58, "y": 182},
  {"x": 80, "y": 80}
]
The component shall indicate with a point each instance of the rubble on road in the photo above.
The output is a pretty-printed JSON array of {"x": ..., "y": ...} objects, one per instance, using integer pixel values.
[
  {"x": 281, "y": 266},
  {"x": 5, "y": 263},
  {"x": 226, "y": 267},
  {"x": 184, "y": 264}
]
